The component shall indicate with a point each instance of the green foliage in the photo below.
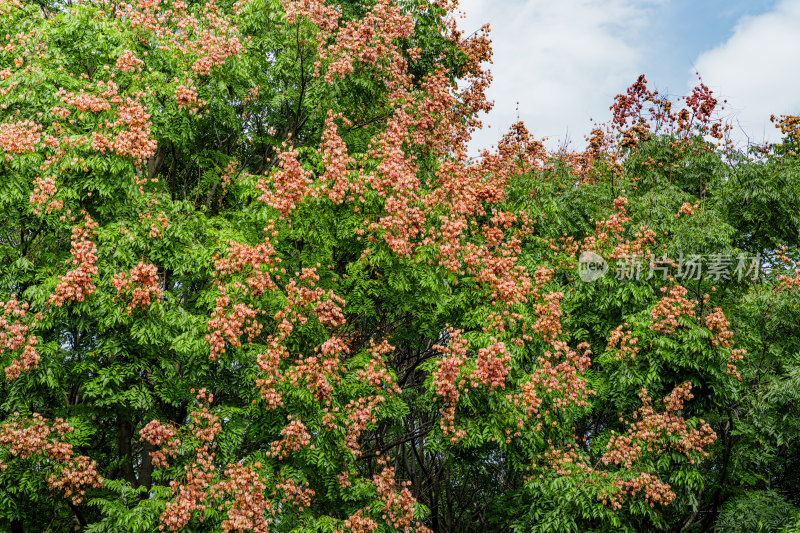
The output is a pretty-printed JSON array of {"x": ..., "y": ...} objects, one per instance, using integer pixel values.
[{"x": 190, "y": 203}]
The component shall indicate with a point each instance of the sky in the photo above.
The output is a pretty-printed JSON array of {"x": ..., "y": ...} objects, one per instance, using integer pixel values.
[{"x": 558, "y": 63}]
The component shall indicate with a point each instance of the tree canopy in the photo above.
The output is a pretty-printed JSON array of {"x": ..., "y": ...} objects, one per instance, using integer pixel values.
[{"x": 250, "y": 280}]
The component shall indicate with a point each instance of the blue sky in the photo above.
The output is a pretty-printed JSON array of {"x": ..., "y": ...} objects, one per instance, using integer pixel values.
[
  {"x": 564, "y": 60},
  {"x": 683, "y": 29}
]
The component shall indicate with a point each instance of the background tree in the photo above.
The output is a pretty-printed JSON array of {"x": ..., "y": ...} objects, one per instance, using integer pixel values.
[{"x": 252, "y": 282}]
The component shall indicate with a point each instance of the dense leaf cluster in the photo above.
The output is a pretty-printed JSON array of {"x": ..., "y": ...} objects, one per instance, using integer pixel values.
[{"x": 249, "y": 281}]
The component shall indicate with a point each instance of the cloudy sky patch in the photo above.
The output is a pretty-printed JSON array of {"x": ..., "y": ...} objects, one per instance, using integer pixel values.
[
  {"x": 758, "y": 70},
  {"x": 565, "y": 61}
]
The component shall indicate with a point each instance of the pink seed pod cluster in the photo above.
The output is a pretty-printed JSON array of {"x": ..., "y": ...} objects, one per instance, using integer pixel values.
[
  {"x": 361, "y": 413},
  {"x": 687, "y": 209},
  {"x": 334, "y": 181},
  {"x": 789, "y": 283},
  {"x": 128, "y": 62},
  {"x": 16, "y": 324},
  {"x": 285, "y": 188},
  {"x": 448, "y": 379},
  {"x": 19, "y": 137},
  {"x": 722, "y": 337},
  {"x": 492, "y": 366},
  {"x": 295, "y": 438},
  {"x": 78, "y": 283},
  {"x": 646, "y": 434},
  {"x": 666, "y": 312},
  {"x": 396, "y": 498},
  {"x": 623, "y": 344},
  {"x": 43, "y": 192},
  {"x": 139, "y": 286},
  {"x": 186, "y": 98},
  {"x": 163, "y": 436},
  {"x": 229, "y": 327},
  {"x": 43, "y": 441}
]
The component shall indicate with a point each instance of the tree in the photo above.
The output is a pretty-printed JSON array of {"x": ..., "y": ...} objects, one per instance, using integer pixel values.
[{"x": 252, "y": 282}]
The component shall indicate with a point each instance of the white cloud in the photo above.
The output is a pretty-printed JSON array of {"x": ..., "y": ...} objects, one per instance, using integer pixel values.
[
  {"x": 757, "y": 70},
  {"x": 564, "y": 61}
]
